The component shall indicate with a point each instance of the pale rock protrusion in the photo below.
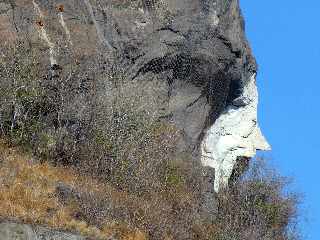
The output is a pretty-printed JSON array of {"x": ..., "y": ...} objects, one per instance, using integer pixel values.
[
  {"x": 37, "y": 8},
  {"x": 99, "y": 31},
  {"x": 10, "y": 231},
  {"x": 234, "y": 134},
  {"x": 44, "y": 36},
  {"x": 52, "y": 53},
  {"x": 214, "y": 18},
  {"x": 16, "y": 231},
  {"x": 141, "y": 10},
  {"x": 65, "y": 27}
]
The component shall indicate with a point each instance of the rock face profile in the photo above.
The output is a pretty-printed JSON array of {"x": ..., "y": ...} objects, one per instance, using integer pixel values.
[
  {"x": 189, "y": 58},
  {"x": 184, "y": 65}
]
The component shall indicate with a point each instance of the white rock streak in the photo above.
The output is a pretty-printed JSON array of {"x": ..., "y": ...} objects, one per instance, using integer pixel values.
[
  {"x": 100, "y": 34},
  {"x": 43, "y": 34},
  {"x": 65, "y": 27},
  {"x": 37, "y": 8},
  {"x": 235, "y": 133},
  {"x": 214, "y": 18}
]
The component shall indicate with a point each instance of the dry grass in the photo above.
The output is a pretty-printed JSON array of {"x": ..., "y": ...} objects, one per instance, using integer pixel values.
[
  {"x": 260, "y": 205},
  {"x": 254, "y": 208},
  {"x": 27, "y": 194}
]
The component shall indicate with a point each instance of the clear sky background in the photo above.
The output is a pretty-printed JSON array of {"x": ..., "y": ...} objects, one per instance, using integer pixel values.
[{"x": 285, "y": 37}]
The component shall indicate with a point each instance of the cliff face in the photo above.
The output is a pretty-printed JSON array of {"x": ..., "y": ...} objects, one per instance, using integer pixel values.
[
  {"x": 185, "y": 63},
  {"x": 189, "y": 59}
]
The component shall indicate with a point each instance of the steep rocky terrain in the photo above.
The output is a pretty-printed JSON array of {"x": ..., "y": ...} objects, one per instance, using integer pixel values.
[
  {"x": 129, "y": 91},
  {"x": 189, "y": 60}
]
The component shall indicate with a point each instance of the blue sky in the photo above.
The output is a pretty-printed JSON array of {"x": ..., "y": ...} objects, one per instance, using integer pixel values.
[{"x": 285, "y": 37}]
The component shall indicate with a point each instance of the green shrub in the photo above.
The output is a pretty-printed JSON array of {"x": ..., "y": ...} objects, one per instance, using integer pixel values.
[{"x": 258, "y": 207}]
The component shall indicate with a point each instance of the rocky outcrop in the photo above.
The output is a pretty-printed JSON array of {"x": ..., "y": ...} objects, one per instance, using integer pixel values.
[
  {"x": 90, "y": 76},
  {"x": 14, "y": 231},
  {"x": 189, "y": 60},
  {"x": 235, "y": 134}
]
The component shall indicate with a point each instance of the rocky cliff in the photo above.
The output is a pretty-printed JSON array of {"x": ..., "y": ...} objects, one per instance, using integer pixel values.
[{"x": 181, "y": 65}]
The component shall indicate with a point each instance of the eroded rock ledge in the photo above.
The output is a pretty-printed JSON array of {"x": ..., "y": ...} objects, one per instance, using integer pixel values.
[{"x": 234, "y": 134}]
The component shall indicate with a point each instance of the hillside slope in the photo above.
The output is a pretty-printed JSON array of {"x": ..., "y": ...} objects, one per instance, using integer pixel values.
[{"x": 133, "y": 119}]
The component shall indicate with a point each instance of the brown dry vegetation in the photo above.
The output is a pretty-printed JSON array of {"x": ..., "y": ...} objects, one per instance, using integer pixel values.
[
  {"x": 104, "y": 167},
  {"x": 58, "y": 197},
  {"x": 28, "y": 194},
  {"x": 260, "y": 205}
]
